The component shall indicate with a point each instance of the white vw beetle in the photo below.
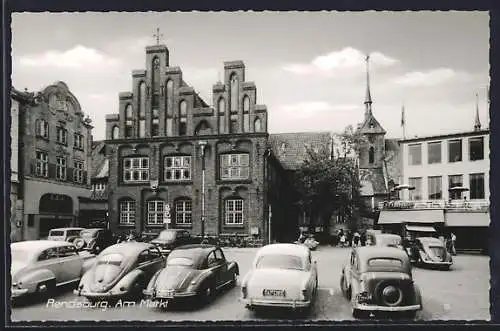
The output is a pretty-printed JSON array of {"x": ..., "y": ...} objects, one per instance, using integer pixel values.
[{"x": 282, "y": 275}]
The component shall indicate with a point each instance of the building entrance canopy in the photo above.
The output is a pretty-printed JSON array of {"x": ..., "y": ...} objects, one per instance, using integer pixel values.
[{"x": 411, "y": 216}]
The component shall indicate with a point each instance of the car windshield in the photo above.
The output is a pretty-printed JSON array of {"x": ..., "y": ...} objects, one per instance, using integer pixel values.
[
  {"x": 167, "y": 235},
  {"x": 54, "y": 233},
  {"x": 112, "y": 258},
  {"x": 74, "y": 232},
  {"x": 20, "y": 255},
  {"x": 180, "y": 261},
  {"x": 88, "y": 233},
  {"x": 385, "y": 263},
  {"x": 280, "y": 261}
]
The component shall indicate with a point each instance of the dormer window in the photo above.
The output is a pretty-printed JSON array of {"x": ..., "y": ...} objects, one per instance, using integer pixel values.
[{"x": 372, "y": 125}]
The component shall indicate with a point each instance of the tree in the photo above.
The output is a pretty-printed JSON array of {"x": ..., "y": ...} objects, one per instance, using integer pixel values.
[{"x": 328, "y": 179}]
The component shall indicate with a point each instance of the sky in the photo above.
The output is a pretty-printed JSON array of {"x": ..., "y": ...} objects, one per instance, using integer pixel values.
[{"x": 308, "y": 67}]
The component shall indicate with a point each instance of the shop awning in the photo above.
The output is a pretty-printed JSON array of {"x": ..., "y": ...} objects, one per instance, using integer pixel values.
[
  {"x": 420, "y": 228},
  {"x": 411, "y": 216},
  {"x": 467, "y": 219}
]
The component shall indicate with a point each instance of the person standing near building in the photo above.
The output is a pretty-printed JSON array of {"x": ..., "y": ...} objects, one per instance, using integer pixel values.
[{"x": 453, "y": 240}]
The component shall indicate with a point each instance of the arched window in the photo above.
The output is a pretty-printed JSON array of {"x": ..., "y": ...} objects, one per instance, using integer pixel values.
[
  {"x": 129, "y": 122},
  {"x": 183, "y": 211},
  {"x": 183, "y": 118},
  {"x": 169, "y": 99},
  {"x": 127, "y": 211},
  {"x": 155, "y": 212},
  {"x": 141, "y": 98},
  {"x": 234, "y": 89},
  {"x": 246, "y": 114},
  {"x": 371, "y": 155},
  {"x": 257, "y": 125},
  {"x": 222, "y": 110},
  {"x": 234, "y": 213},
  {"x": 155, "y": 101},
  {"x": 115, "y": 134}
]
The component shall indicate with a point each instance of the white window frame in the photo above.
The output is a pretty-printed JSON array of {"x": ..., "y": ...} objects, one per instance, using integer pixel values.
[
  {"x": 179, "y": 163},
  {"x": 62, "y": 135},
  {"x": 232, "y": 209},
  {"x": 78, "y": 141},
  {"x": 410, "y": 158},
  {"x": 156, "y": 209},
  {"x": 184, "y": 212},
  {"x": 42, "y": 129},
  {"x": 127, "y": 212},
  {"x": 234, "y": 166},
  {"x": 78, "y": 169},
  {"x": 61, "y": 168},
  {"x": 42, "y": 164},
  {"x": 136, "y": 165}
]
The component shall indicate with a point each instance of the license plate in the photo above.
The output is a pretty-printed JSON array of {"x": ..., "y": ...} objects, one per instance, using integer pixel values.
[{"x": 274, "y": 293}]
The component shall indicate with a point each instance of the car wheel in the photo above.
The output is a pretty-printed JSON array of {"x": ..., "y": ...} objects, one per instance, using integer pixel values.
[
  {"x": 46, "y": 289},
  {"x": 206, "y": 293},
  {"x": 233, "y": 280}
]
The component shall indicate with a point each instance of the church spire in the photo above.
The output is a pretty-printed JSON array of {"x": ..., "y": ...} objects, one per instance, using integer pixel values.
[
  {"x": 477, "y": 123},
  {"x": 368, "y": 98}
]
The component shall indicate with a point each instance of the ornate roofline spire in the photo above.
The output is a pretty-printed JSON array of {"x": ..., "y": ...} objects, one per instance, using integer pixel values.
[
  {"x": 477, "y": 123},
  {"x": 368, "y": 98}
]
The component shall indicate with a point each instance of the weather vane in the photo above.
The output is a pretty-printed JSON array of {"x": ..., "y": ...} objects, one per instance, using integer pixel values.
[{"x": 157, "y": 36}]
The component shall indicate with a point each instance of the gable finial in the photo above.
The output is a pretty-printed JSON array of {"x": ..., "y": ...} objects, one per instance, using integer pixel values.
[{"x": 477, "y": 123}]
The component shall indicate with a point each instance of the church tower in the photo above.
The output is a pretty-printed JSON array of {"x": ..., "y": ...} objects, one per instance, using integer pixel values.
[{"x": 372, "y": 153}]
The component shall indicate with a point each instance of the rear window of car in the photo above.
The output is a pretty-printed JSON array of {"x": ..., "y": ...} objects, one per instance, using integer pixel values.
[
  {"x": 54, "y": 233},
  {"x": 180, "y": 261},
  {"x": 385, "y": 263},
  {"x": 280, "y": 261},
  {"x": 73, "y": 232},
  {"x": 112, "y": 258}
]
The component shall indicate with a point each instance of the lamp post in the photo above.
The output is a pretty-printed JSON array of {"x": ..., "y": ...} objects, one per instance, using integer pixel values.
[{"x": 202, "y": 147}]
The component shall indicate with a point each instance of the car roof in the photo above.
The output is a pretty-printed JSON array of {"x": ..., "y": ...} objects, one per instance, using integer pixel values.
[
  {"x": 430, "y": 240},
  {"x": 370, "y": 252},
  {"x": 65, "y": 229},
  {"x": 129, "y": 248},
  {"x": 38, "y": 245},
  {"x": 284, "y": 249}
]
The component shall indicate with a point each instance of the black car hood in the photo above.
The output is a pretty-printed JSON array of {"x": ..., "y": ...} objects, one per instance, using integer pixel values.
[{"x": 176, "y": 278}]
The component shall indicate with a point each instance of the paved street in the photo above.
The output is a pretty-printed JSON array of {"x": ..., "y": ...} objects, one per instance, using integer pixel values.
[{"x": 459, "y": 294}]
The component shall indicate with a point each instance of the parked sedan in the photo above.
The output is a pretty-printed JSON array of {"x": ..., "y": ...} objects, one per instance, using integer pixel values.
[
  {"x": 432, "y": 252},
  {"x": 38, "y": 266},
  {"x": 193, "y": 271},
  {"x": 169, "y": 239},
  {"x": 121, "y": 270},
  {"x": 94, "y": 240},
  {"x": 64, "y": 234},
  {"x": 379, "y": 279},
  {"x": 282, "y": 275}
]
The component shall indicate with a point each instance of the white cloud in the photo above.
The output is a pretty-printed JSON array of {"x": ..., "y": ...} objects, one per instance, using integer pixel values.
[
  {"x": 431, "y": 77},
  {"x": 79, "y": 57},
  {"x": 346, "y": 58}
]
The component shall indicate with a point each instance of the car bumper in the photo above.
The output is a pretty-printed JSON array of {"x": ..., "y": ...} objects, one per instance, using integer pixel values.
[
  {"x": 275, "y": 303},
  {"x": 387, "y": 309},
  {"x": 103, "y": 295},
  {"x": 163, "y": 295},
  {"x": 16, "y": 292},
  {"x": 437, "y": 263}
]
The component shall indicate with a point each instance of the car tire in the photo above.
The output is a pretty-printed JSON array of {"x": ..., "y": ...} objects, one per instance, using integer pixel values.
[
  {"x": 206, "y": 293},
  {"x": 46, "y": 289},
  {"x": 233, "y": 281}
]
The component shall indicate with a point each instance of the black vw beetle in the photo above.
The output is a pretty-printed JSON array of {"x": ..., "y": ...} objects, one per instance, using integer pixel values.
[
  {"x": 193, "y": 271},
  {"x": 121, "y": 270},
  {"x": 379, "y": 279}
]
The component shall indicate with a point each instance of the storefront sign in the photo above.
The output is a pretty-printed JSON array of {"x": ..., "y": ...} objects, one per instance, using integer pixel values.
[
  {"x": 398, "y": 204},
  {"x": 166, "y": 214}
]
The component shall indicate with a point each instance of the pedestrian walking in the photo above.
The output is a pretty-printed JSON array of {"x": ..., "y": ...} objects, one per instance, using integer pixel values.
[
  {"x": 342, "y": 240},
  {"x": 453, "y": 240},
  {"x": 355, "y": 239}
]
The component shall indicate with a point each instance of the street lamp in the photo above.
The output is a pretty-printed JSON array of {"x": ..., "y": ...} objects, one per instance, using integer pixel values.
[{"x": 202, "y": 147}]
